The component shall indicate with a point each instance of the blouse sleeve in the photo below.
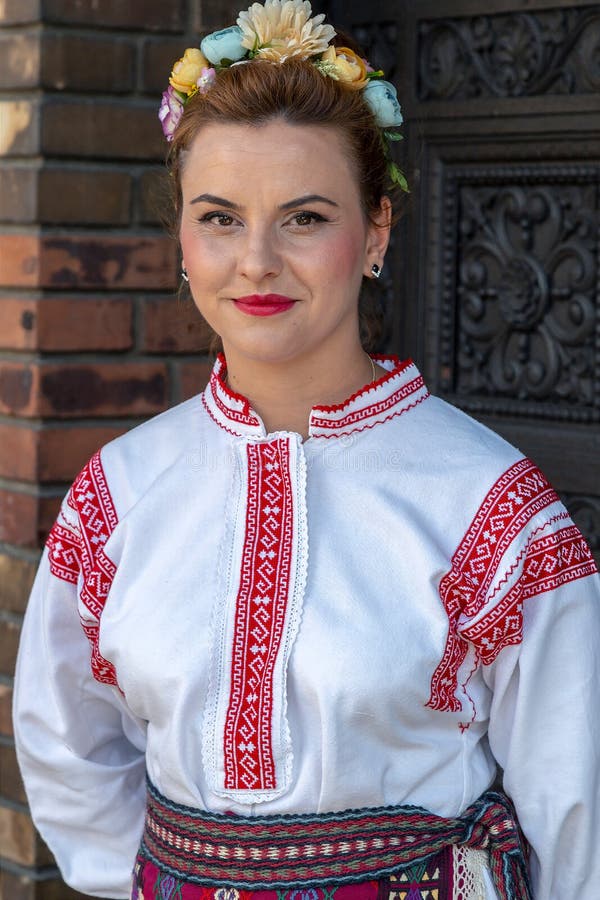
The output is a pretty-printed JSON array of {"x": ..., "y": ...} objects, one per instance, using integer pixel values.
[
  {"x": 80, "y": 750},
  {"x": 544, "y": 727}
]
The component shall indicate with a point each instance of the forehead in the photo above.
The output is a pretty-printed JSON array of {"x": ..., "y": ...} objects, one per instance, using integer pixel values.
[{"x": 274, "y": 155}]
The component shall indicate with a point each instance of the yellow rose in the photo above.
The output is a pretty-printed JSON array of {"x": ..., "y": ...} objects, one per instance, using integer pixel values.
[
  {"x": 348, "y": 67},
  {"x": 188, "y": 70}
]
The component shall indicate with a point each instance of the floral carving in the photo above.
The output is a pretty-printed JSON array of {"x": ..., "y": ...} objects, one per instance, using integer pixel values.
[
  {"x": 526, "y": 304},
  {"x": 553, "y": 51},
  {"x": 380, "y": 42}
]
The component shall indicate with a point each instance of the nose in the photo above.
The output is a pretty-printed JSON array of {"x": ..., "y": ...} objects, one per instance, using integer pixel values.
[{"x": 259, "y": 255}]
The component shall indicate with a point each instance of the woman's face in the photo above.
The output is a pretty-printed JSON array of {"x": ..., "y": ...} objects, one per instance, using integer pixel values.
[{"x": 275, "y": 239}]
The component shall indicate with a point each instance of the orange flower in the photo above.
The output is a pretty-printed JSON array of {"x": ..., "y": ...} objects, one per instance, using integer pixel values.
[
  {"x": 344, "y": 65},
  {"x": 187, "y": 70}
]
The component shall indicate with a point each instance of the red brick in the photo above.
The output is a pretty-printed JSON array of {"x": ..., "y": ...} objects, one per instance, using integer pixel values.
[
  {"x": 84, "y": 323},
  {"x": 6, "y": 725},
  {"x": 108, "y": 263},
  {"x": 193, "y": 377},
  {"x": 24, "y": 887},
  {"x": 154, "y": 201},
  {"x": 66, "y": 323},
  {"x": 16, "y": 579},
  {"x": 19, "y": 12},
  {"x": 79, "y": 389},
  {"x": 17, "y": 836},
  {"x": 86, "y": 63},
  {"x": 104, "y": 389},
  {"x": 59, "y": 195},
  {"x": 64, "y": 451},
  {"x": 16, "y": 887},
  {"x": 18, "y": 194},
  {"x": 154, "y": 198},
  {"x": 18, "y": 323},
  {"x": 19, "y": 840},
  {"x": 18, "y": 388},
  {"x": 149, "y": 15},
  {"x": 173, "y": 326},
  {"x": 89, "y": 196},
  {"x": 209, "y": 15},
  {"x": 19, "y": 259},
  {"x": 18, "y": 452},
  {"x": 33, "y": 454},
  {"x": 9, "y": 642},
  {"x": 19, "y": 60},
  {"x": 11, "y": 784},
  {"x": 18, "y": 519},
  {"x": 49, "y": 509},
  {"x": 88, "y": 261},
  {"x": 19, "y": 135},
  {"x": 115, "y": 129},
  {"x": 158, "y": 57}
]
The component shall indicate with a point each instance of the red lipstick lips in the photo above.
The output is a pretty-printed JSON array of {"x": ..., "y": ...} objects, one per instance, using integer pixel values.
[{"x": 263, "y": 304}]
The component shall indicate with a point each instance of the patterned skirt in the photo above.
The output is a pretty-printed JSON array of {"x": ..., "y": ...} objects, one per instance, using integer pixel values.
[{"x": 389, "y": 853}]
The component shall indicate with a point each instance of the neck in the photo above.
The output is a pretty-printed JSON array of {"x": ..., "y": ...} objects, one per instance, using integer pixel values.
[{"x": 284, "y": 393}]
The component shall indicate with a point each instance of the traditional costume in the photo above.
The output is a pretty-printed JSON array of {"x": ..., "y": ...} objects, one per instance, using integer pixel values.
[{"x": 294, "y": 644}]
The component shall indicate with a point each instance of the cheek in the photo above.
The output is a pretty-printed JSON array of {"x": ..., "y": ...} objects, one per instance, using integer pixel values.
[
  {"x": 342, "y": 256},
  {"x": 191, "y": 247}
]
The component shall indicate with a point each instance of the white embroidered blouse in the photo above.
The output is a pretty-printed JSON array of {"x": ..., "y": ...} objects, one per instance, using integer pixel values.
[{"x": 379, "y": 614}]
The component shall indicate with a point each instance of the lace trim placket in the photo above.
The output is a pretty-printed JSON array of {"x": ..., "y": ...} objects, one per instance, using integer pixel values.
[{"x": 248, "y": 753}]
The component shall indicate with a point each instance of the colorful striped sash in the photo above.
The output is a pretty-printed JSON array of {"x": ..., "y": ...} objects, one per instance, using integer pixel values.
[{"x": 303, "y": 851}]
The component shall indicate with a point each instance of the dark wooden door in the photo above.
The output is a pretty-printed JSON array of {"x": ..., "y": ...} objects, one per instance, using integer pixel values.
[{"x": 495, "y": 266}]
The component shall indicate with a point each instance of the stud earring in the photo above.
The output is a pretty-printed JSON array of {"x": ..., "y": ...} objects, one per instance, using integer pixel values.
[
  {"x": 376, "y": 271},
  {"x": 184, "y": 273}
]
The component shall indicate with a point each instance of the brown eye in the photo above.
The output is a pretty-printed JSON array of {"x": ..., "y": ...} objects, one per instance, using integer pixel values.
[
  {"x": 307, "y": 218},
  {"x": 219, "y": 218}
]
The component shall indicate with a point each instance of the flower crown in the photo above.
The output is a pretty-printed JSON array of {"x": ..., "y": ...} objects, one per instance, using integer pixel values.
[{"x": 276, "y": 31}]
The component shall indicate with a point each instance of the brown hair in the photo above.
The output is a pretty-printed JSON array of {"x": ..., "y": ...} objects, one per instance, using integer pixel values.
[{"x": 295, "y": 91}]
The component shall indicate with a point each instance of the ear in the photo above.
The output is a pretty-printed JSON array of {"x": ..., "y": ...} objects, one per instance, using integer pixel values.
[{"x": 378, "y": 235}]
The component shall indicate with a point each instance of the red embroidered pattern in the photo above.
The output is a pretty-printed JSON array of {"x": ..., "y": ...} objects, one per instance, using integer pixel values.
[
  {"x": 244, "y": 415},
  {"x": 513, "y": 501},
  {"x": 64, "y": 552},
  {"x": 233, "y": 413},
  {"x": 373, "y": 409},
  {"x": 71, "y": 552},
  {"x": 259, "y": 618},
  {"x": 551, "y": 561}
]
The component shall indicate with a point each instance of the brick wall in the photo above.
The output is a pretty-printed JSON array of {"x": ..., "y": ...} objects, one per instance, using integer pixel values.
[{"x": 92, "y": 338}]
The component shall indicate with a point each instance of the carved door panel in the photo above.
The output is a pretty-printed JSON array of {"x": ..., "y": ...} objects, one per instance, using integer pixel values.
[{"x": 496, "y": 264}]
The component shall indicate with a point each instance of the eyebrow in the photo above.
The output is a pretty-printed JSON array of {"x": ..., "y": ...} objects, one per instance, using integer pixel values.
[{"x": 291, "y": 204}]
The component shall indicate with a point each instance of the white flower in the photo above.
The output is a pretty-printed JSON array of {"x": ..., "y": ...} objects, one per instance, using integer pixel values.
[
  {"x": 383, "y": 101},
  {"x": 280, "y": 29},
  {"x": 224, "y": 44}
]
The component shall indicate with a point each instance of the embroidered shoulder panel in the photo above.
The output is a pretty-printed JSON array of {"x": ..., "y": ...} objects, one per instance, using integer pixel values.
[
  {"x": 550, "y": 562},
  {"x": 76, "y": 553},
  {"x": 490, "y": 618}
]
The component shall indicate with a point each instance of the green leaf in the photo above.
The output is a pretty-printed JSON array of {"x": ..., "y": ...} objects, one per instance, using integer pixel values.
[
  {"x": 393, "y": 136},
  {"x": 397, "y": 177}
]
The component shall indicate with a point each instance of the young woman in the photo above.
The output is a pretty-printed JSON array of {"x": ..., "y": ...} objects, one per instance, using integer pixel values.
[{"x": 326, "y": 611}]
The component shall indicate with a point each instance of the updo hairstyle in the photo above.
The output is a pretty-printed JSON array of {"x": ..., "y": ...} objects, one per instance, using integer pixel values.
[{"x": 295, "y": 91}]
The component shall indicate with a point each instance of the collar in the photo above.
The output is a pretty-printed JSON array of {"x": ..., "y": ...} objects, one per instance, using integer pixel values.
[{"x": 401, "y": 389}]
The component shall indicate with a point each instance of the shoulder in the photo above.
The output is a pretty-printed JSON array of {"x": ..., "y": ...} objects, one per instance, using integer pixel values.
[
  {"x": 453, "y": 457},
  {"x": 124, "y": 469}
]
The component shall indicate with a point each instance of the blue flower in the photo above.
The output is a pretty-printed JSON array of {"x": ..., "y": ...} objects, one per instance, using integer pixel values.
[
  {"x": 225, "y": 44},
  {"x": 383, "y": 101}
]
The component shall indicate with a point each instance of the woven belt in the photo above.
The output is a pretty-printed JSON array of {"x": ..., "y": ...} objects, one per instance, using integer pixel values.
[{"x": 269, "y": 852}]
